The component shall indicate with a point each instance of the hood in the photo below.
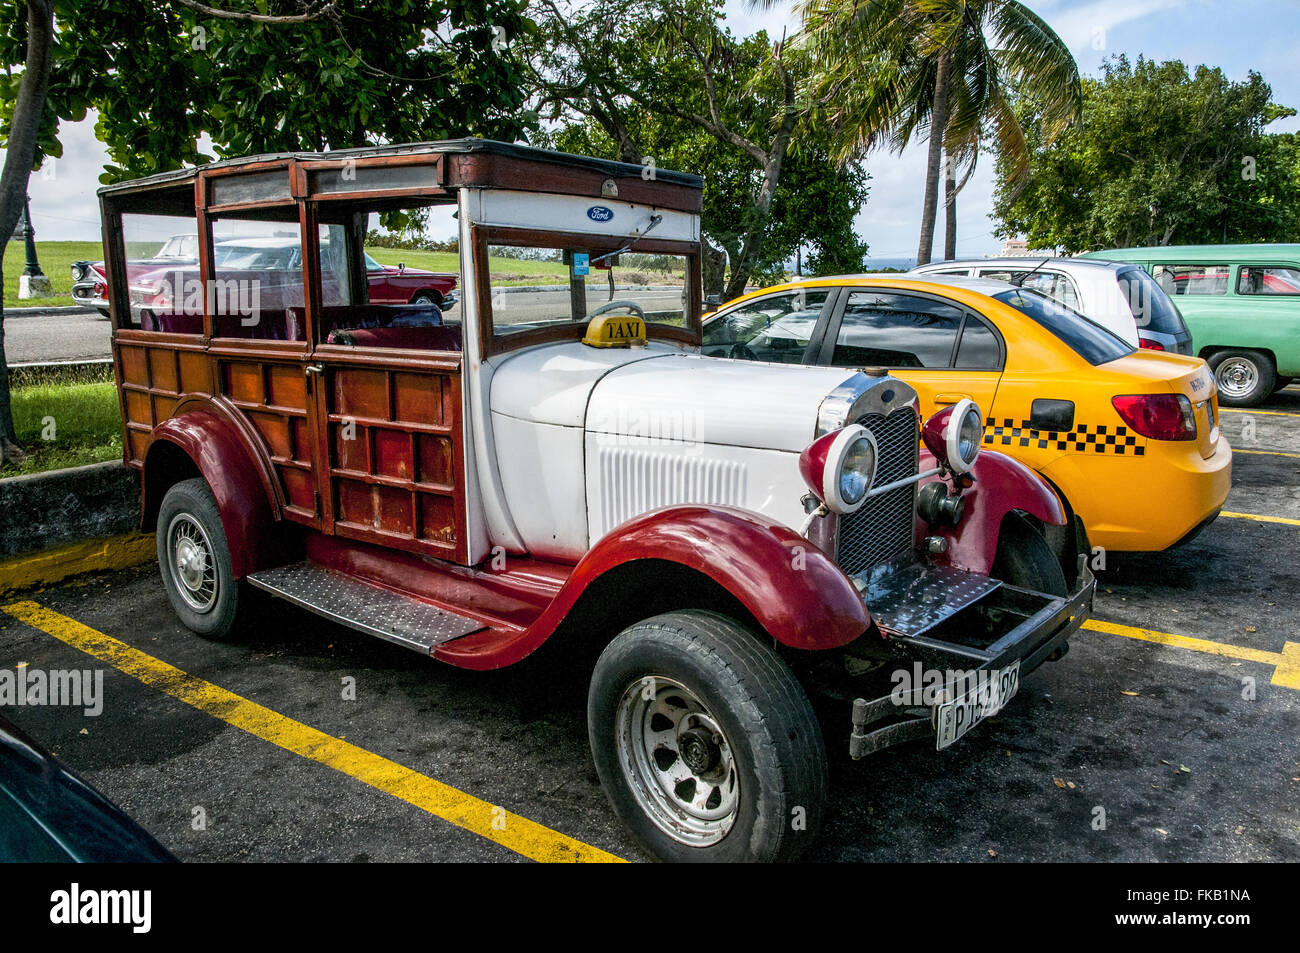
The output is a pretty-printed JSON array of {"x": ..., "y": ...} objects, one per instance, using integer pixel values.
[{"x": 714, "y": 400}]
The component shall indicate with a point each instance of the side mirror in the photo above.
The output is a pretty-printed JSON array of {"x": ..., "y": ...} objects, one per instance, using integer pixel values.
[{"x": 713, "y": 301}]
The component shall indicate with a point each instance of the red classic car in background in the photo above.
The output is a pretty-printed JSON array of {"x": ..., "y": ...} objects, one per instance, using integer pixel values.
[{"x": 389, "y": 284}]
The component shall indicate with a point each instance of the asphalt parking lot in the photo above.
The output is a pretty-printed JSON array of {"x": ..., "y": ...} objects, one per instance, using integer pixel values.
[{"x": 1171, "y": 732}]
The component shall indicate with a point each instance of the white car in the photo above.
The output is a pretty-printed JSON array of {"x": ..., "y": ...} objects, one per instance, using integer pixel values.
[{"x": 1119, "y": 296}]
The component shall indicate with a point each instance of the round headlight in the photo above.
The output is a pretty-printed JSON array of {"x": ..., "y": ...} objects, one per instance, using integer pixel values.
[
  {"x": 850, "y": 469},
  {"x": 965, "y": 435}
]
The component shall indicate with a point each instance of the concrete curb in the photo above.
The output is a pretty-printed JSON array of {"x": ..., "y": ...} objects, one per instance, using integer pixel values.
[
  {"x": 53, "y": 309},
  {"x": 46, "y": 510}
]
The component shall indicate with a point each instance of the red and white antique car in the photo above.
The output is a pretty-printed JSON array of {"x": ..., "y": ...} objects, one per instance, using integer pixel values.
[
  {"x": 564, "y": 469},
  {"x": 177, "y": 259}
]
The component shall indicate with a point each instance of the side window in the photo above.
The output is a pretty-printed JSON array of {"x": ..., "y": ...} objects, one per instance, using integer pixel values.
[
  {"x": 258, "y": 279},
  {"x": 162, "y": 271},
  {"x": 998, "y": 274},
  {"x": 775, "y": 328},
  {"x": 1268, "y": 280},
  {"x": 886, "y": 329},
  {"x": 1192, "y": 279},
  {"x": 979, "y": 349}
]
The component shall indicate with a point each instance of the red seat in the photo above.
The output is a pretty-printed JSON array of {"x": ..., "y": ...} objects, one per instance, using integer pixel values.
[{"x": 437, "y": 338}]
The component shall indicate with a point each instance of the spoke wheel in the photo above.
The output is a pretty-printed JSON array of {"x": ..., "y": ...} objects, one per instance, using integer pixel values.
[
  {"x": 193, "y": 568},
  {"x": 678, "y": 763}
]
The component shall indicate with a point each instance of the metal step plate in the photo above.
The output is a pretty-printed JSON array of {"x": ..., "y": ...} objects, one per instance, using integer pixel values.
[
  {"x": 917, "y": 597},
  {"x": 359, "y": 605}
]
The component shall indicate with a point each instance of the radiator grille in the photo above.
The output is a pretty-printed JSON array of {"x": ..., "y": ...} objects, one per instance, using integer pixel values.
[{"x": 883, "y": 528}]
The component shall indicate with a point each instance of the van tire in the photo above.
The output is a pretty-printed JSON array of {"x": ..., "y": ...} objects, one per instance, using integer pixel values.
[
  {"x": 194, "y": 559},
  {"x": 1244, "y": 378}
]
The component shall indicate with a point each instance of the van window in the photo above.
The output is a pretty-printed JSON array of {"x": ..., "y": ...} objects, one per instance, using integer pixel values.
[
  {"x": 1192, "y": 279},
  {"x": 1268, "y": 280}
]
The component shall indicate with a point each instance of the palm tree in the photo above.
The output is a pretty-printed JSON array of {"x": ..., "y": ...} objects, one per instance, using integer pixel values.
[{"x": 890, "y": 71}]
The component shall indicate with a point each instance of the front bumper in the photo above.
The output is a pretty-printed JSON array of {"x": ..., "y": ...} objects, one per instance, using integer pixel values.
[{"x": 1046, "y": 623}]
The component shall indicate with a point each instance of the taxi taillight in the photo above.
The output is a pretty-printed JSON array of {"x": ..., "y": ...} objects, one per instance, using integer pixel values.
[{"x": 1158, "y": 416}]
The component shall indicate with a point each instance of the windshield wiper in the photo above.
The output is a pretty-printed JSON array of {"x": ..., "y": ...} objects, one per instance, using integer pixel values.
[{"x": 654, "y": 220}]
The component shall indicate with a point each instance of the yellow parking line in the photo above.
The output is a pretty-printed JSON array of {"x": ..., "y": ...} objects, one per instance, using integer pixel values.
[
  {"x": 1286, "y": 671},
  {"x": 464, "y": 810},
  {"x": 1286, "y": 521},
  {"x": 53, "y": 565},
  {"x": 1266, "y": 413},
  {"x": 1270, "y": 453}
]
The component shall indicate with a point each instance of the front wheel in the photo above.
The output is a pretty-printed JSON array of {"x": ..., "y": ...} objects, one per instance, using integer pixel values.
[
  {"x": 1025, "y": 559},
  {"x": 705, "y": 743},
  {"x": 426, "y": 298},
  {"x": 194, "y": 559},
  {"x": 1244, "y": 378}
]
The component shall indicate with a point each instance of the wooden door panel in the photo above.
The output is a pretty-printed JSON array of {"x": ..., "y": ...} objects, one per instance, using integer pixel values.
[{"x": 395, "y": 452}]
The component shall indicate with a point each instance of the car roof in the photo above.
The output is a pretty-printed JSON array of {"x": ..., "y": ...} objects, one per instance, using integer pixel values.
[
  {"x": 989, "y": 286},
  {"x": 1030, "y": 261},
  {"x": 1263, "y": 251}
]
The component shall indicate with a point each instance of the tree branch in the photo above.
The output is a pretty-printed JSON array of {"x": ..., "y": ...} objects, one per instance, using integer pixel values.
[{"x": 258, "y": 17}]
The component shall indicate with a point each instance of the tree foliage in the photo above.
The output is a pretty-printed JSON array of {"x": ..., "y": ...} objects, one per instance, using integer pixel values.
[
  {"x": 1161, "y": 156},
  {"x": 666, "y": 80}
]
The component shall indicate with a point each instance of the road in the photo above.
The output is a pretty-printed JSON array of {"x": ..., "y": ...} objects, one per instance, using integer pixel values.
[
  {"x": 1187, "y": 750},
  {"x": 55, "y": 337}
]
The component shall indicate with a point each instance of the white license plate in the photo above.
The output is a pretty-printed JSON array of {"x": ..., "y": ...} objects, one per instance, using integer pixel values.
[{"x": 953, "y": 719}]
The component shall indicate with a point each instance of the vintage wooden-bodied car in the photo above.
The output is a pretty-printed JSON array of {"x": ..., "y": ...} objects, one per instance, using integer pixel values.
[{"x": 562, "y": 468}]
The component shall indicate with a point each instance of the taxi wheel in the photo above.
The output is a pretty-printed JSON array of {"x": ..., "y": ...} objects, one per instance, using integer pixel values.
[
  {"x": 1244, "y": 378},
  {"x": 1024, "y": 558},
  {"x": 195, "y": 560},
  {"x": 705, "y": 743}
]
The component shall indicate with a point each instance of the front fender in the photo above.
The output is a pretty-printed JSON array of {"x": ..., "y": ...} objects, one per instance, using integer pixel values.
[
  {"x": 1001, "y": 485},
  {"x": 797, "y": 593},
  {"x": 230, "y": 468}
]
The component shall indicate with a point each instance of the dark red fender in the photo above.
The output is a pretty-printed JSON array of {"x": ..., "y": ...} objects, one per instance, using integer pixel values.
[
  {"x": 1001, "y": 485},
  {"x": 231, "y": 471},
  {"x": 753, "y": 558}
]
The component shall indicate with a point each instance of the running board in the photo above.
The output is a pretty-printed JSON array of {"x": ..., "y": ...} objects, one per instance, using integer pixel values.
[{"x": 344, "y": 599}]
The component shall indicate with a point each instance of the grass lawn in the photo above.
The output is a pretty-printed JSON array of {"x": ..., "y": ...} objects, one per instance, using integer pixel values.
[
  {"x": 56, "y": 259},
  {"x": 81, "y": 421}
]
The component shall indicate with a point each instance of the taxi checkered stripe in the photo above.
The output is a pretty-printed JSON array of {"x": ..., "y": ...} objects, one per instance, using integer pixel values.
[{"x": 1082, "y": 439}]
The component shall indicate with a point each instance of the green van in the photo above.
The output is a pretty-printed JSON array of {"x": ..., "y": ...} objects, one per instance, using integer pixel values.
[{"x": 1242, "y": 305}]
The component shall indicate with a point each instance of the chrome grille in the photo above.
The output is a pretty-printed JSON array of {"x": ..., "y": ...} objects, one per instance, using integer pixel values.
[{"x": 882, "y": 529}]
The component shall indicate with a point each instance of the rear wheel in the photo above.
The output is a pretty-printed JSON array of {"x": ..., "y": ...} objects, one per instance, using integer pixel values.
[
  {"x": 705, "y": 743},
  {"x": 1282, "y": 382},
  {"x": 194, "y": 559},
  {"x": 427, "y": 298},
  {"x": 1244, "y": 378},
  {"x": 1025, "y": 559}
]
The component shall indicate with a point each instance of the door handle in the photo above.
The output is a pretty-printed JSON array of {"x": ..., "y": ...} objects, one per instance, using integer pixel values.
[
  {"x": 950, "y": 398},
  {"x": 315, "y": 368}
]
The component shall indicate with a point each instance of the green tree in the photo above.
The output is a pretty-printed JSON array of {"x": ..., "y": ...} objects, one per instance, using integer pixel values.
[
  {"x": 1161, "y": 156},
  {"x": 891, "y": 71},
  {"x": 255, "y": 76},
  {"x": 664, "y": 80}
]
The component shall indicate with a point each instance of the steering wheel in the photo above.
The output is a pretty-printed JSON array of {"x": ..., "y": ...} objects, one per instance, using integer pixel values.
[
  {"x": 629, "y": 305},
  {"x": 740, "y": 352}
]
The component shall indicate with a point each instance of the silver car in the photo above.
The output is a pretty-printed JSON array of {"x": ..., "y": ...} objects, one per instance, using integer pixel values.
[{"x": 1120, "y": 296}]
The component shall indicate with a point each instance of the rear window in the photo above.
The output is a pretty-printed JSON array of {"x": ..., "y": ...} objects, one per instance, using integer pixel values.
[
  {"x": 1151, "y": 307},
  {"x": 1089, "y": 340}
]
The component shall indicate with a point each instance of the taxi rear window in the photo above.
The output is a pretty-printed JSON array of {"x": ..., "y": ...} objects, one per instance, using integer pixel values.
[{"x": 1089, "y": 340}]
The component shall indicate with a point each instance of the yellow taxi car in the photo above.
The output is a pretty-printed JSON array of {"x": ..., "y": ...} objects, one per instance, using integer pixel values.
[{"x": 1129, "y": 439}]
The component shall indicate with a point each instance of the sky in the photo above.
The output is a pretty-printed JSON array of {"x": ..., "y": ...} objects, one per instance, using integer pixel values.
[{"x": 1236, "y": 35}]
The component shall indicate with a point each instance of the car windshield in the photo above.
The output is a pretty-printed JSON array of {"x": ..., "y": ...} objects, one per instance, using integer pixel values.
[
  {"x": 1151, "y": 307},
  {"x": 1086, "y": 338}
]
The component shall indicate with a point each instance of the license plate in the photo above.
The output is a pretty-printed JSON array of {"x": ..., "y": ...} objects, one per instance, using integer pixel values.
[{"x": 953, "y": 719}]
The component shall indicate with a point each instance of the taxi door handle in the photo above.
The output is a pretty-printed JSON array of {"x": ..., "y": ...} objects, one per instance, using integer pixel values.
[{"x": 950, "y": 398}]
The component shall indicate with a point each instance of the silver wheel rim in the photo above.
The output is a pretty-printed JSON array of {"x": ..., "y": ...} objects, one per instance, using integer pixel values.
[
  {"x": 678, "y": 764},
  {"x": 193, "y": 570},
  {"x": 1237, "y": 377}
]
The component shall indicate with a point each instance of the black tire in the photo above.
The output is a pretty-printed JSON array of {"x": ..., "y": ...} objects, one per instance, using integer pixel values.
[
  {"x": 189, "y": 509},
  {"x": 428, "y": 297},
  {"x": 1024, "y": 558},
  {"x": 104, "y": 312},
  {"x": 769, "y": 744},
  {"x": 1282, "y": 382},
  {"x": 1244, "y": 378}
]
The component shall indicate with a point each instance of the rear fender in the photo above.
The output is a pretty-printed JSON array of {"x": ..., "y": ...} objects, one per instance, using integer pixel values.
[
  {"x": 792, "y": 589},
  {"x": 1002, "y": 485},
  {"x": 216, "y": 449}
]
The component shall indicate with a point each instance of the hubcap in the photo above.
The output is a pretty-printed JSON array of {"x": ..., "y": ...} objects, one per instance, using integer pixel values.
[
  {"x": 1236, "y": 377},
  {"x": 678, "y": 763},
  {"x": 193, "y": 569}
]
